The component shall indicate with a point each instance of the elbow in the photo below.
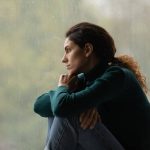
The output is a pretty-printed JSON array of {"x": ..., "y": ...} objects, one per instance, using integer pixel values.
[
  {"x": 42, "y": 106},
  {"x": 36, "y": 108},
  {"x": 38, "y": 104}
]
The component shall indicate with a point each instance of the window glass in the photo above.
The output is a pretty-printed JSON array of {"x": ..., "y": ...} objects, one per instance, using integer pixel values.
[{"x": 31, "y": 46}]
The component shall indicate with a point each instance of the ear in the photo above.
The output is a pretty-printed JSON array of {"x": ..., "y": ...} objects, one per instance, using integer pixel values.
[{"x": 88, "y": 49}]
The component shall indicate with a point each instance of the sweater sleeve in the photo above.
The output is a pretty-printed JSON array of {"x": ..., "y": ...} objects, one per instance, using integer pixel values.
[
  {"x": 42, "y": 105},
  {"x": 103, "y": 89}
]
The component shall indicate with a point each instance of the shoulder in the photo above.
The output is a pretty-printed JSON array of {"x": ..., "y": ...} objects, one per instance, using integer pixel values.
[
  {"x": 117, "y": 73},
  {"x": 113, "y": 72},
  {"x": 119, "y": 70}
]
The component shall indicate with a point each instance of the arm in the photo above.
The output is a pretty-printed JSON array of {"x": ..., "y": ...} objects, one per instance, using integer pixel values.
[
  {"x": 103, "y": 89},
  {"x": 42, "y": 105}
]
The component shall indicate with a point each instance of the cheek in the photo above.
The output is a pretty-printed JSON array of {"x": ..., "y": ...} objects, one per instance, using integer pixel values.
[{"x": 79, "y": 62}]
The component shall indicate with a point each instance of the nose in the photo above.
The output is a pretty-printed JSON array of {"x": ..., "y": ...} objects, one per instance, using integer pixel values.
[{"x": 64, "y": 59}]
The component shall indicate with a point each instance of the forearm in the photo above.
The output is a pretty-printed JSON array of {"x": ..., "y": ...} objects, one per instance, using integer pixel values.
[
  {"x": 65, "y": 103},
  {"x": 102, "y": 90}
]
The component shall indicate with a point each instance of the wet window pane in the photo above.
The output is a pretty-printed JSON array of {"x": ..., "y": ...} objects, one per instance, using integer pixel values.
[{"x": 31, "y": 47}]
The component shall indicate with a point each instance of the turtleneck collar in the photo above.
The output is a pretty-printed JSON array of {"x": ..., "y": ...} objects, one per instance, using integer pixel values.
[{"x": 96, "y": 71}]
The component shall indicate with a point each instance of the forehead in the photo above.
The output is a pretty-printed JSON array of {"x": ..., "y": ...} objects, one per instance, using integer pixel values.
[{"x": 68, "y": 42}]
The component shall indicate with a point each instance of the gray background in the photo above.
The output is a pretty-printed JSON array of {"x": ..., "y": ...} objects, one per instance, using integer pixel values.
[{"x": 31, "y": 46}]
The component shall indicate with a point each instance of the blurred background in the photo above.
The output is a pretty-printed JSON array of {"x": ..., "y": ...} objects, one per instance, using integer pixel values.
[{"x": 31, "y": 47}]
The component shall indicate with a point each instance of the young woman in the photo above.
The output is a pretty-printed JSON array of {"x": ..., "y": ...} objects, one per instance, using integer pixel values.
[{"x": 100, "y": 103}]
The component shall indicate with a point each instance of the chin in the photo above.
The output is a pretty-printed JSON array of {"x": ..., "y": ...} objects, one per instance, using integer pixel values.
[{"x": 73, "y": 72}]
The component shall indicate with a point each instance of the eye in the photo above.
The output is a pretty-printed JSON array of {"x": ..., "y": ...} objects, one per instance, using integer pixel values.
[{"x": 67, "y": 49}]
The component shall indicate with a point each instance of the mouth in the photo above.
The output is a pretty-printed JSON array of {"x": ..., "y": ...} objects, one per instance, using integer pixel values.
[{"x": 67, "y": 66}]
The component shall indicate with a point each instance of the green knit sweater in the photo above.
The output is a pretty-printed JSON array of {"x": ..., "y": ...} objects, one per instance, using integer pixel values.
[{"x": 120, "y": 100}]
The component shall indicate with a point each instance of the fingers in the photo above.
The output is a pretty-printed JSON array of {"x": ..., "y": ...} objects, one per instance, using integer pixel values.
[
  {"x": 63, "y": 80},
  {"x": 84, "y": 117},
  {"x": 67, "y": 80},
  {"x": 93, "y": 121},
  {"x": 96, "y": 118},
  {"x": 89, "y": 119}
]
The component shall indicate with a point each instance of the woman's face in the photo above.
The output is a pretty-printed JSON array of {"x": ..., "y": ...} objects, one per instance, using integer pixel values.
[{"x": 74, "y": 58}]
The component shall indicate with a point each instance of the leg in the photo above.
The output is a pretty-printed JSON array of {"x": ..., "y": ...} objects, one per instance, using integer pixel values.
[
  {"x": 61, "y": 135},
  {"x": 50, "y": 122},
  {"x": 65, "y": 134},
  {"x": 99, "y": 138}
]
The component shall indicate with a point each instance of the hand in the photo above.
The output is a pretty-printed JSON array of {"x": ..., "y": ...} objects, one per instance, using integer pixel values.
[
  {"x": 89, "y": 118},
  {"x": 65, "y": 80}
]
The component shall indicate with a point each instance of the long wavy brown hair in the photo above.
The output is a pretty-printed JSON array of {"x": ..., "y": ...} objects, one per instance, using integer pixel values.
[
  {"x": 104, "y": 47},
  {"x": 130, "y": 63}
]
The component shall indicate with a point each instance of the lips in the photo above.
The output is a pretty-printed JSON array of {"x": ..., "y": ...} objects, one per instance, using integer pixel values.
[{"x": 67, "y": 66}]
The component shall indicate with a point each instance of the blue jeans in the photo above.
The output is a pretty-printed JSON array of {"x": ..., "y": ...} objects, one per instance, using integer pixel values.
[{"x": 66, "y": 134}]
